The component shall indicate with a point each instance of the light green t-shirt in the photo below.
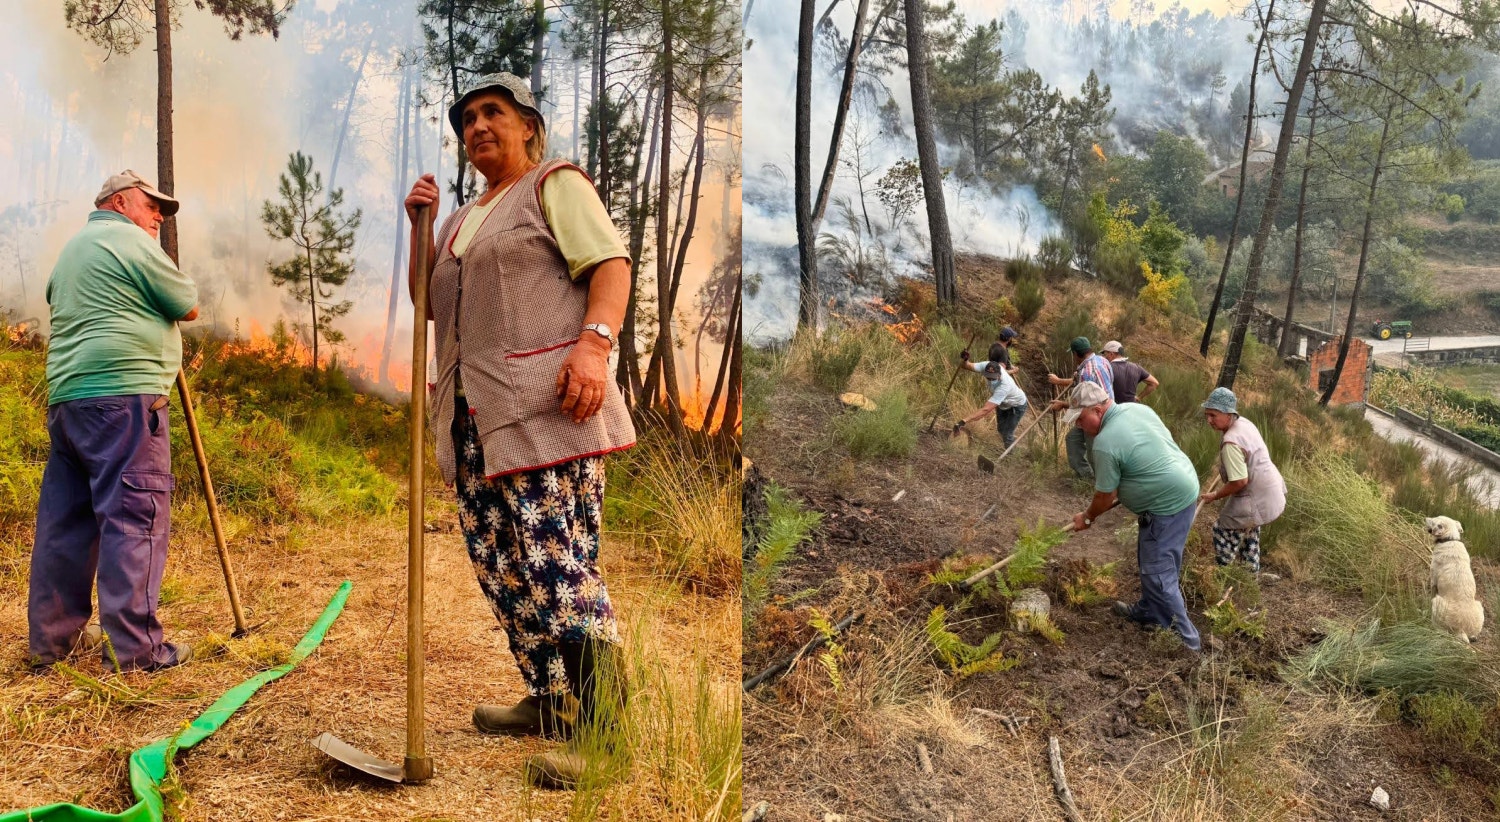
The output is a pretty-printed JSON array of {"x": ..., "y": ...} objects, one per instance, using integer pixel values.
[
  {"x": 1134, "y": 454},
  {"x": 1234, "y": 462},
  {"x": 585, "y": 235},
  {"x": 116, "y": 298}
]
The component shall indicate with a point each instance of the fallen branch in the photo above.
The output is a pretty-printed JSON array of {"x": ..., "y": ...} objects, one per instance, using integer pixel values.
[
  {"x": 786, "y": 664},
  {"x": 1060, "y": 781},
  {"x": 1224, "y": 598},
  {"x": 923, "y": 759},
  {"x": 757, "y": 813}
]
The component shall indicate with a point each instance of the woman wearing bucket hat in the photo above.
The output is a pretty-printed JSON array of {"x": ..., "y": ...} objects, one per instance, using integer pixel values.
[
  {"x": 1254, "y": 488},
  {"x": 528, "y": 284}
]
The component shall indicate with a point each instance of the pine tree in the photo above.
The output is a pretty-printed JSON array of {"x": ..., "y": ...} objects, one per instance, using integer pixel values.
[{"x": 323, "y": 236}]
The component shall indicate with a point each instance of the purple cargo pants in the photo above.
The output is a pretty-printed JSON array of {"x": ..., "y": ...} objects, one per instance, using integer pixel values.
[{"x": 104, "y": 511}]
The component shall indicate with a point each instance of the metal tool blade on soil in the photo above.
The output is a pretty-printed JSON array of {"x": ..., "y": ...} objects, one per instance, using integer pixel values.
[
  {"x": 985, "y": 465},
  {"x": 417, "y": 767}
]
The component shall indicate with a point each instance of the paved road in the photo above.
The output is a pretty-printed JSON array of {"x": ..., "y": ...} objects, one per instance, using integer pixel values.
[
  {"x": 1388, "y": 352},
  {"x": 1484, "y": 482}
]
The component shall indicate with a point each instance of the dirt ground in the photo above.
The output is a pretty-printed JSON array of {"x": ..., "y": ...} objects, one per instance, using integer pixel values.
[
  {"x": 1116, "y": 698},
  {"x": 61, "y": 744}
]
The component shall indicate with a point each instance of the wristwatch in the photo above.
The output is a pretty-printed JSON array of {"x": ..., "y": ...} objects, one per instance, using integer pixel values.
[{"x": 602, "y": 330}]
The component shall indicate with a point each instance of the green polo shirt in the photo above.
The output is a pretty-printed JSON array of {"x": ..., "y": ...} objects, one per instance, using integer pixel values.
[
  {"x": 116, "y": 298},
  {"x": 1134, "y": 454}
]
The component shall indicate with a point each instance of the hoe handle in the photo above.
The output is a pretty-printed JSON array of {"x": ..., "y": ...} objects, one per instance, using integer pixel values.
[
  {"x": 418, "y": 765},
  {"x": 213, "y": 504},
  {"x": 956, "y": 372}
]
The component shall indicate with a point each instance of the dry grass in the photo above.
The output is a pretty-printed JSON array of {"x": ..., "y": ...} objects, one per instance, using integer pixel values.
[{"x": 61, "y": 742}]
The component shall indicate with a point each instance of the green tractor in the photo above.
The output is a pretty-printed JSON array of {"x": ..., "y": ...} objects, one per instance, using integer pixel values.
[{"x": 1384, "y": 329}]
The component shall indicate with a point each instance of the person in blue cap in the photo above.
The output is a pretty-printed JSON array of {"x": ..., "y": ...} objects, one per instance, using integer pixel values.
[{"x": 1000, "y": 349}]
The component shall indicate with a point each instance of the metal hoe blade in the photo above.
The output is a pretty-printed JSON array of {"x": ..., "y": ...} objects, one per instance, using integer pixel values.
[{"x": 357, "y": 759}]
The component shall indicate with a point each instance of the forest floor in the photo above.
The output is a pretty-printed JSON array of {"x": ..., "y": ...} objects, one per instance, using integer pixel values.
[
  {"x": 1147, "y": 729},
  {"x": 67, "y": 737}
]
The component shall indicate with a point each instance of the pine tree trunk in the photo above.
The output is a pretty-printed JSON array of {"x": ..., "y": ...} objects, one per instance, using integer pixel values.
[
  {"x": 401, "y": 141},
  {"x": 1364, "y": 256},
  {"x": 927, "y": 157},
  {"x": 463, "y": 160},
  {"x": 593, "y": 133},
  {"x": 538, "y": 40},
  {"x": 807, "y": 258},
  {"x": 846, "y": 94},
  {"x": 604, "y": 169},
  {"x": 735, "y": 388},
  {"x": 664, "y": 341},
  {"x": 312, "y": 300},
  {"x": 628, "y": 372},
  {"x": 1239, "y": 196},
  {"x": 1284, "y": 347},
  {"x": 1246, "y": 310},
  {"x": 338, "y": 146},
  {"x": 731, "y": 338},
  {"x": 166, "y": 181}
]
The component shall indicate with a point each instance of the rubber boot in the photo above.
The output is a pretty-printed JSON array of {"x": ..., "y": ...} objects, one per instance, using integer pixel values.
[
  {"x": 532, "y": 716},
  {"x": 596, "y": 673}
]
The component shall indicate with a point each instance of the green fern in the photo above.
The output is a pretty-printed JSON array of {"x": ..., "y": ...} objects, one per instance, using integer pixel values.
[
  {"x": 1043, "y": 624},
  {"x": 1031, "y": 555},
  {"x": 788, "y": 525},
  {"x": 960, "y": 657},
  {"x": 831, "y": 664},
  {"x": 1227, "y": 619}
]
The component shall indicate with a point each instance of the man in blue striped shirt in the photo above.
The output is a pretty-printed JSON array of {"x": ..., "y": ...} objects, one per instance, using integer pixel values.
[{"x": 1091, "y": 368}]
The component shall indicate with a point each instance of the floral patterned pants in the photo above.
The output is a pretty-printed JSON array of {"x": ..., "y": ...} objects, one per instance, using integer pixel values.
[
  {"x": 533, "y": 537},
  {"x": 1242, "y": 541}
]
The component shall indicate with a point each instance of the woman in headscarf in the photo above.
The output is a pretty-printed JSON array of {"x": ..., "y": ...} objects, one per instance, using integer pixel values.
[{"x": 528, "y": 284}]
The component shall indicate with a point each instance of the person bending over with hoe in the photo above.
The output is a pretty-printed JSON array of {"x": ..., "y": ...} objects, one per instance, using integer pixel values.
[
  {"x": 528, "y": 283},
  {"x": 1091, "y": 368},
  {"x": 1137, "y": 464},
  {"x": 1007, "y": 401},
  {"x": 1252, "y": 484},
  {"x": 104, "y": 512}
]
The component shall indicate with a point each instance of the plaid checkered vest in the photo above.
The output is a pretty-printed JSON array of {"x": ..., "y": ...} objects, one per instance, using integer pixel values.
[{"x": 507, "y": 315}]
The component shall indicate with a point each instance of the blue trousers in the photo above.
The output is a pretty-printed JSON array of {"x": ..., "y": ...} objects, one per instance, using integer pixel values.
[
  {"x": 1159, "y": 551},
  {"x": 103, "y": 515}
]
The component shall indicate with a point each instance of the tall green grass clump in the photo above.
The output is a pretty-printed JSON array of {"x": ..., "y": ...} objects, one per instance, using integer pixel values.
[
  {"x": 763, "y": 368},
  {"x": 687, "y": 507},
  {"x": 787, "y": 526},
  {"x": 676, "y": 744},
  {"x": 1179, "y": 400},
  {"x": 23, "y": 435},
  {"x": 834, "y": 358},
  {"x": 1079, "y": 322},
  {"x": 1404, "y": 659},
  {"x": 885, "y": 433},
  {"x": 1339, "y": 522}
]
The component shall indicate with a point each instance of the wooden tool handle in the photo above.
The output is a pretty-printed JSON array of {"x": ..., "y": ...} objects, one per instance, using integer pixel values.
[
  {"x": 213, "y": 504},
  {"x": 418, "y": 766}
]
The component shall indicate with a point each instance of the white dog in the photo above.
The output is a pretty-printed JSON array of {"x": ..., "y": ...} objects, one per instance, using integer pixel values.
[{"x": 1454, "y": 606}]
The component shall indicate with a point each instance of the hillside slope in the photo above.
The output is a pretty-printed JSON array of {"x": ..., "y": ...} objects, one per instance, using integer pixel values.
[{"x": 1147, "y": 730}]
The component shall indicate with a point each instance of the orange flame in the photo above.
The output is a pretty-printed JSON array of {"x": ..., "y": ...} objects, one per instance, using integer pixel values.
[{"x": 1099, "y": 152}]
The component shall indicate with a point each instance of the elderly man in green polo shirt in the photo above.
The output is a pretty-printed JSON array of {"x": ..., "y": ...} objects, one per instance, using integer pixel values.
[
  {"x": 114, "y": 351},
  {"x": 1137, "y": 463}
]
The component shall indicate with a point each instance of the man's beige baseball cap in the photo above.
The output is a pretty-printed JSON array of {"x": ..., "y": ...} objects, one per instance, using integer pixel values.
[
  {"x": 1085, "y": 395},
  {"x": 129, "y": 179}
]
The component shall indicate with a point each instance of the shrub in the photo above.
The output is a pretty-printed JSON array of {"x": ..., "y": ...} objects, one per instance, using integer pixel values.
[
  {"x": 1162, "y": 292},
  {"x": 1451, "y": 721},
  {"x": 834, "y": 360},
  {"x": 1021, "y": 268},
  {"x": 886, "y": 432},
  {"x": 1055, "y": 256},
  {"x": 1029, "y": 299}
]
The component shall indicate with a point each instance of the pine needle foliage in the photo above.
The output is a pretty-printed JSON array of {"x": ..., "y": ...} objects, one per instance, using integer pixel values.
[{"x": 322, "y": 236}]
